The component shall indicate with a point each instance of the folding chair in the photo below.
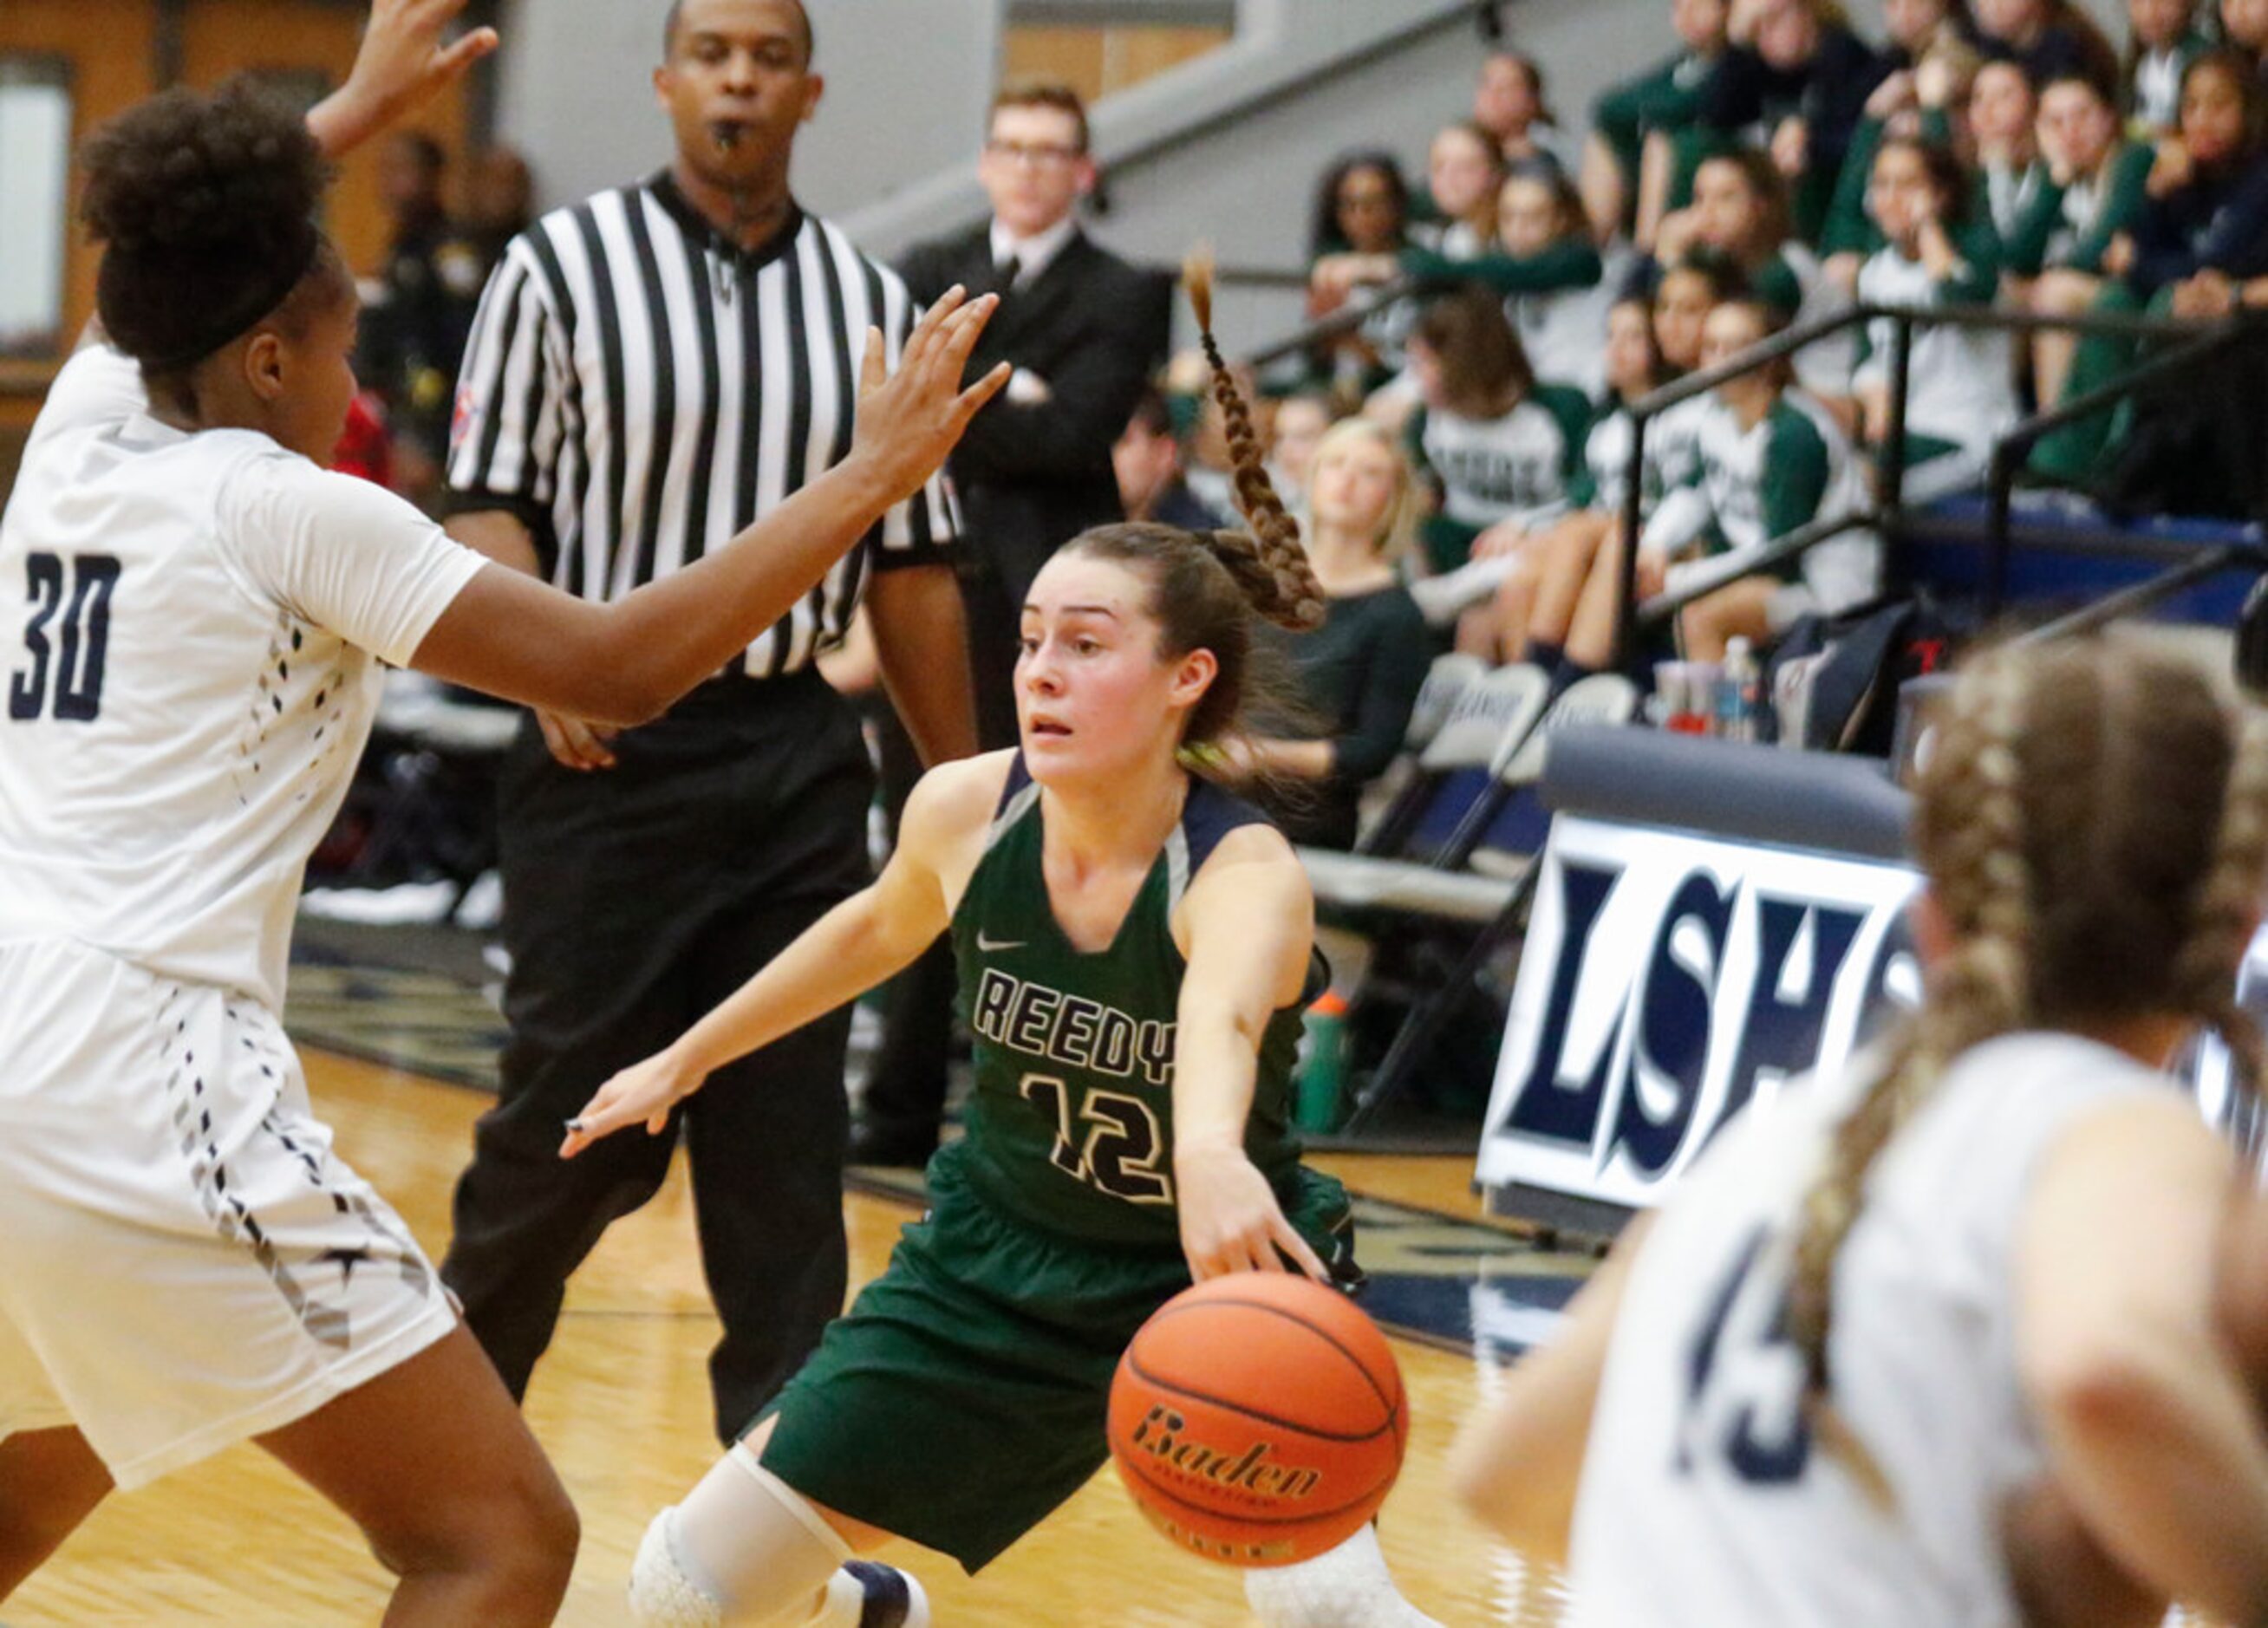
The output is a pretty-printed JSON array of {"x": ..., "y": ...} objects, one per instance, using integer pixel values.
[
  {"x": 1387, "y": 803},
  {"x": 1514, "y": 833},
  {"x": 1488, "y": 901}
]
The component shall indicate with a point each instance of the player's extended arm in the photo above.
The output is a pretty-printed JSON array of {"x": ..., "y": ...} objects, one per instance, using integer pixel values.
[
  {"x": 2060, "y": 1575},
  {"x": 845, "y": 952},
  {"x": 1250, "y": 919},
  {"x": 402, "y": 62},
  {"x": 2148, "y": 1425},
  {"x": 627, "y": 661},
  {"x": 1516, "y": 1466}
]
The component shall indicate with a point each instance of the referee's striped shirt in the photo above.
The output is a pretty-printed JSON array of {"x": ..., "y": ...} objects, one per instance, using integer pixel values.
[{"x": 638, "y": 389}]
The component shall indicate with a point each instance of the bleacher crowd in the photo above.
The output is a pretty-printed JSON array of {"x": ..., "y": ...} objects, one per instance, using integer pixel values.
[{"x": 1773, "y": 166}]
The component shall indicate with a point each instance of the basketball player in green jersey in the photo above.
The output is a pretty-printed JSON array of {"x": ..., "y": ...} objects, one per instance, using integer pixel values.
[{"x": 1135, "y": 946}]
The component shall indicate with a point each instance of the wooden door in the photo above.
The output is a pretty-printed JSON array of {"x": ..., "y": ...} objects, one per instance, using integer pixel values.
[
  {"x": 304, "y": 47},
  {"x": 106, "y": 52}
]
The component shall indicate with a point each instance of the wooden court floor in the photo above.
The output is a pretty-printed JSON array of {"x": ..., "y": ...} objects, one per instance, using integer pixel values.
[{"x": 622, "y": 1405}]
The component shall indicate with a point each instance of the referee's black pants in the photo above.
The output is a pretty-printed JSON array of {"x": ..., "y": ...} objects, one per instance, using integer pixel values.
[{"x": 636, "y": 899}]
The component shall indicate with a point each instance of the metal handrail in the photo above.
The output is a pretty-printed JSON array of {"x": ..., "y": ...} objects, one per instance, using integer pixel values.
[
  {"x": 1345, "y": 320},
  {"x": 1260, "y": 277},
  {"x": 1728, "y": 569},
  {"x": 1785, "y": 342},
  {"x": 2015, "y": 446},
  {"x": 1632, "y": 617},
  {"x": 2142, "y": 595}
]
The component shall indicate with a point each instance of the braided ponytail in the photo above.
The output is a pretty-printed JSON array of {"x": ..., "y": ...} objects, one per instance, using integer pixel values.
[
  {"x": 1206, "y": 587},
  {"x": 1971, "y": 812},
  {"x": 1268, "y": 564},
  {"x": 2084, "y": 794}
]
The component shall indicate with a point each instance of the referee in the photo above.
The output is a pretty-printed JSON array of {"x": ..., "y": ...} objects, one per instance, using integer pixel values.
[{"x": 649, "y": 371}]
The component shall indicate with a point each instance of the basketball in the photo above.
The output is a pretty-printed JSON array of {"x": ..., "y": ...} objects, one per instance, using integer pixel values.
[{"x": 1259, "y": 1420}]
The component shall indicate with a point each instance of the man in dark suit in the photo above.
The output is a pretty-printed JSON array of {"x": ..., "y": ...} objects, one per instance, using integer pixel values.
[{"x": 1083, "y": 329}]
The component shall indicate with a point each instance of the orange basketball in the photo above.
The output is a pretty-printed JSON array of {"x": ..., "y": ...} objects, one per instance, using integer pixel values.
[{"x": 1259, "y": 1420}]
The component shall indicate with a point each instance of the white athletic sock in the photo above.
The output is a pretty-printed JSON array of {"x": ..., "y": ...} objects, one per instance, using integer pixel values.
[
  {"x": 1344, "y": 1587},
  {"x": 1439, "y": 599}
]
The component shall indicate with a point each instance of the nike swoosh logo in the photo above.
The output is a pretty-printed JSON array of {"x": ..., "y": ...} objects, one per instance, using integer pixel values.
[{"x": 990, "y": 945}]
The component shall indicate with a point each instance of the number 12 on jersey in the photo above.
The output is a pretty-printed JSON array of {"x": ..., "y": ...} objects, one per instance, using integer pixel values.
[
  {"x": 1112, "y": 1143},
  {"x": 66, "y": 638}
]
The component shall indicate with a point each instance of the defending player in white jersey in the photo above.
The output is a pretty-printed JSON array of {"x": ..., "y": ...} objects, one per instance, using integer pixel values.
[
  {"x": 191, "y": 615},
  {"x": 1966, "y": 1288}
]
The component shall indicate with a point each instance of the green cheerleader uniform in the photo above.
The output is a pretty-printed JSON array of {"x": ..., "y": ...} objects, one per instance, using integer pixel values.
[
  {"x": 2072, "y": 227},
  {"x": 963, "y": 1395},
  {"x": 1527, "y": 463}
]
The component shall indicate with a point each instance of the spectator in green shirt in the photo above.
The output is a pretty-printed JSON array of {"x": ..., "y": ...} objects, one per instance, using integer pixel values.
[
  {"x": 1494, "y": 444},
  {"x": 1937, "y": 251},
  {"x": 1922, "y": 100},
  {"x": 1740, "y": 215},
  {"x": 1769, "y": 459},
  {"x": 1362, "y": 213},
  {"x": 2163, "y": 40},
  {"x": 1666, "y": 99},
  {"x": 1464, "y": 171},
  {"x": 2095, "y": 187}
]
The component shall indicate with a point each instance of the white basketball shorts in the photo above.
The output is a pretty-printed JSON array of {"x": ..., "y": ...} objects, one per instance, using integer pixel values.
[{"x": 183, "y": 1261}]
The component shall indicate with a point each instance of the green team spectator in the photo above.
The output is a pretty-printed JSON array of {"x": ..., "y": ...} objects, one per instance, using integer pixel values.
[
  {"x": 2198, "y": 247},
  {"x": 1361, "y": 215},
  {"x": 1534, "y": 604},
  {"x": 2162, "y": 39},
  {"x": 1509, "y": 102},
  {"x": 1496, "y": 444},
  {"x": 1935, "y": 252},
  {"x": 1740, "y": 215},
  {"x": 1769, "y": 459},
  {"x": 2097, "y": 187},
  {"x": 1795, "y": 82},
  {"x": 1542, "y": 261},
  {"x": 1464, "y": 171},
  {"x": 2047, "y": 39},
  {"x": 1921, "y": 101},
  {"x": 2004, "y": 173},
  {"x": 1664, "y": 99}
]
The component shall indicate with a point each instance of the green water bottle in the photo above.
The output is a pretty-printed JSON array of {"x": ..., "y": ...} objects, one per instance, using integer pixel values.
[{"x": 1322, "y": 1073}]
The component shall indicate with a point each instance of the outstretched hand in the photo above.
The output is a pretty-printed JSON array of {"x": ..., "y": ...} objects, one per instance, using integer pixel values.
[
  {"x": 1231, "y": 1221},
  {"x": 403, "y": 62},
  {"x": 644, "y": 1091},
  {"x": 908, "y": 420}
]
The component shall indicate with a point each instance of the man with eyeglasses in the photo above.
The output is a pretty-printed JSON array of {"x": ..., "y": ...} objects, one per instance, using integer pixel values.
[{"x": 1083, "y": 329}]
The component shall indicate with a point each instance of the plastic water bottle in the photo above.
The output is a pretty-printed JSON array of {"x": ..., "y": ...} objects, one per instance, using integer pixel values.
[
  {"x": 1320, "y": 1075},
  {"x": 1736, "y": 693}
]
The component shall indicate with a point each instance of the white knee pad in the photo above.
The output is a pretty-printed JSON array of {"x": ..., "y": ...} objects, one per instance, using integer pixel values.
[
  {"x": 744, "y": 1549},
  {"x": 661, "y": 1595}
]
